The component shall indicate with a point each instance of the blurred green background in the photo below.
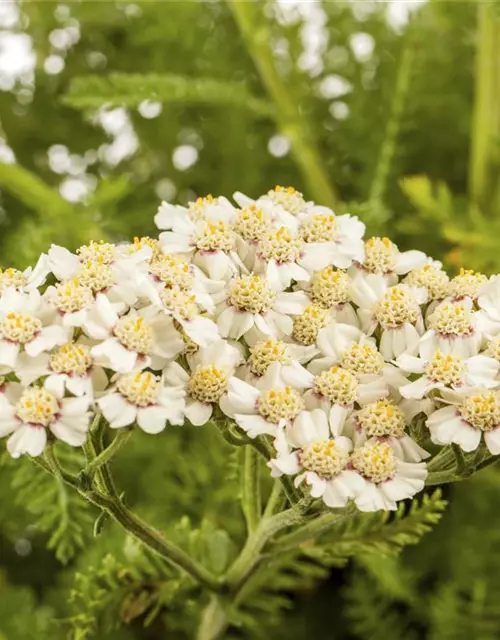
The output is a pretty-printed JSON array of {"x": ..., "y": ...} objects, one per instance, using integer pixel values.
[{"x": 388, "y": 110}]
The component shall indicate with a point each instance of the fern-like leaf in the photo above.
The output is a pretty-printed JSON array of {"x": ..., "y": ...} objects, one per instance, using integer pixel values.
[{"x": 92, "y": 92}]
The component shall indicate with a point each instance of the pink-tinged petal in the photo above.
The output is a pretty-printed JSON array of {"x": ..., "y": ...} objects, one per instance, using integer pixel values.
[
  {"x": 198, "y": 413},
  {"x": 117, "y": 411},
  {"x": 48, "y": 338},
  {"x": 241, "y": 396},
  {"x": 69, "y": 432},
  {"x": 8, "y": 354},
  {"x": 255, "y": 425},
  {"x": 288, "y": 464},
  {"x": 201, "y": 330},
  {"x": 27, "y": 439},
  {"x": 112, "y": 354},
  {"x": 492, "y": 439},
  {"x": 152, "y": 419}
]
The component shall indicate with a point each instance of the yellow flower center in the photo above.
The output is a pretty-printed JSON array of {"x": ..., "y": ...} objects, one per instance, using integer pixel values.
[
  {"x": 140, "y": 389},
  {"x": 320, "y": 227},
  {"x": 452, "y": 319},
  {"x": 280, "y": 404},
  {"x": 251, "y": 293},
  {"x": 19, "y": 327},
  {"x": 173, "y": 271},
  {"x": 280, "y": 245},
  {"x": 362, "y": 359},
  {"x": 135, "y": 334},
  {"x": 251, "y": 223},
  {"x": 493, "y": 348},
  {"x": 467, "y": 284},
  {"x": 37, "y": 406},
  {"x": 266, "y": 353},
  {"x": 72, "y": 296},
  {"x": 208, "y": 383},
  {"x": 71, "y": 359},
  {"x": 140, "y": 243},
  {"x": 330, "y": 287},
  {"x": 397, "y": 307},
  {"x": 325, "y": 458},
  {"x": 97, "y": 275},
  {"x": 375, "y": 461},
  {"x": 287, "y": 197},
  {"x": 102, "y": 252},
  {"x": 307, "y": 326},
  {"x": 12, "y": 278},
  {"x": 435, "y": 280},
  {"x": 382, "y": 418},
  {"x": 214, "y": 236},
  {"x": 447, "y": 369},
  {"x": 380, "y": 255},
  {"x": 180, "y": 302},
  {"x": 197, "y": 209},
  {"x": 482, "y": 410},
  {"x": 338, "y": 385}
]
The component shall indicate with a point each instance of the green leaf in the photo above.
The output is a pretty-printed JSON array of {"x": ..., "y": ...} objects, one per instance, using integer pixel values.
[
  {"x": 92, "y": 92},
  {"x": 32, "y": 191}
]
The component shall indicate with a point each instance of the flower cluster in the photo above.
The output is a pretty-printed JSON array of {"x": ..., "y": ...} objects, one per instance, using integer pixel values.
[{"x": 274, "y": 315}]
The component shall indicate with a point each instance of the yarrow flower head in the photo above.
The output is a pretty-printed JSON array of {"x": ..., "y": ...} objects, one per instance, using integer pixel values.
[{"x": 274, "y": 319}]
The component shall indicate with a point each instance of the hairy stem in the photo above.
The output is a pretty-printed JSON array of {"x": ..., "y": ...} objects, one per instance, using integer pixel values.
[
  {"x": 396, "y": 110},
  {"x": 213, "y": 622},
  {"x": 250, "y": 489},
  {"x": 287, "y": 114},
  {"x": 109, "y": 452}
]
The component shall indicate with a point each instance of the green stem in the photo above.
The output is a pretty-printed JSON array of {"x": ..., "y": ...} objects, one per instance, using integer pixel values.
[
  {"x": 250, "y": 556},
  {"x": 311, "y": 530},
  {"x": 396, "y": 110},
  {"x": 275, "y": 500},
  {"x": 213, "y": 622},
  {"x": 250, "y": 489},
  {"x": 287, "y": 114},
  {"x": 136, "y": 527},
  {"x": 486, "y": 115},
  {"x": 105, "y": 456}
]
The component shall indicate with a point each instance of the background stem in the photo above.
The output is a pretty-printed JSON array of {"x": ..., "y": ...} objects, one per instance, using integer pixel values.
[{"x": 287, "y": 115}]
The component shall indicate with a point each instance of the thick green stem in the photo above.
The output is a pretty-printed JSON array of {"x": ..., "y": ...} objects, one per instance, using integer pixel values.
[
  {"x": 105, "y": 456},
  {"x": 139, "y": 529},
  {"x": 396, "y": 110},
  {"x": 250, "y": 556},
  {"x": 486, "y": 115},
  {"x": 213, "y": 622},
  {"x": 275, "y": 500},
  {"x": 250, "y": 489},
  {"x": 287, "y": 114}
]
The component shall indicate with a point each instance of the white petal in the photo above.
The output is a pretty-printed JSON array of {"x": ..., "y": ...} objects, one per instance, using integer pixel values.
[
  {"x": 152, "y": 419},
  {"x": 111, "y": 353},
  {"x": 117, "y": 411},
  {"x": 198, "y": 413},
  {"x": 27, "y": 439}
]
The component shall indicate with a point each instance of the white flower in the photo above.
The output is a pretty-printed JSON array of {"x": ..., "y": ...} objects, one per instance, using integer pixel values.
[
  {"x": 432, "y": 278},
  {"x": 330, "y": 289},
  {"x": 210, "y": 243},
  {"x": 207, "y": 381},
  {"x": 385, "y": 421},
  {"x": 396, "y": 309},
  {"x": 488, "y": 300},
  {"x": 471, "y": 415},
  {"x": 281, "y": 204},
  {"x": 288, "y": 356},
  {"x": 384, "y": 258},
  {"x": 345, "y": 346},
  {"x": 452, "y": 328},
  {"x": 331, "y": 240},
  {"x": 448, "y": 371},
  {"x": 314, "y": 451},
  {"x": 27, "y": 280},
  {"x": 26, "y": 325},
  {"x": 278, "y": 254},
  {"x": 208, "y": 207},
  {"x": 136, "y": 340},
  {"x": 143, "y": 398},
  {"x": 262, "y": 410},
  {"x": 251, "y": 302},
  {"x": 68, "y": 366},
  {"x": 27, "y": 413},
  {"x": 72, "y": 301},
  {"x": 387, "y": 478}
]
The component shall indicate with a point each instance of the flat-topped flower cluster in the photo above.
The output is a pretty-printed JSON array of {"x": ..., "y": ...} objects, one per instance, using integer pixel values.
[{"x": 275, "y": 316}]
